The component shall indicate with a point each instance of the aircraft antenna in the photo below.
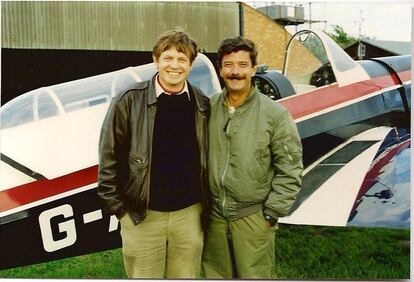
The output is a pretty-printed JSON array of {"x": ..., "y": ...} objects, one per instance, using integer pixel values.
[
  {"x": 361, "y": 46},
  {"x": 310, "y": 15}
]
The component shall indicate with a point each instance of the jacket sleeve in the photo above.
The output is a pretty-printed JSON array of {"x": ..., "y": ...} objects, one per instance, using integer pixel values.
[
  {"x": 112, "y": 147},
  {"x": 286, "y": 150}
]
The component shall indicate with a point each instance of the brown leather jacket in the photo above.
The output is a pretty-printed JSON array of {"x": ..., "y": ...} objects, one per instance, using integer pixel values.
[{"x": 125, "y": 149}]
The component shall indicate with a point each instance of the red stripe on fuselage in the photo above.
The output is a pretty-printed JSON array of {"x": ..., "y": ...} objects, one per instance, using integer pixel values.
[
  {"x": 41, "y": 189},
  {"x": 330, "y": 96}
]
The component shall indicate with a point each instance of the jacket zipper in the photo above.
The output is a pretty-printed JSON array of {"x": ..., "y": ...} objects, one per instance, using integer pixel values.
[
  {"x": 151, "y": 122},
  {"x": 226, "y": 129}
]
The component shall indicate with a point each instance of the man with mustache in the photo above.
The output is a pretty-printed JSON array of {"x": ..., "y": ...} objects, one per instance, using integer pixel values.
[{"x": 255, "y": 169}]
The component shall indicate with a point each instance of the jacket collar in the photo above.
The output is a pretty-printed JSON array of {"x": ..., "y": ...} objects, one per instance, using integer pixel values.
[
  {"x": 250, "y": 98},
  {"x": 152, "y": 96},
  {"x": 200, "y": 102}
]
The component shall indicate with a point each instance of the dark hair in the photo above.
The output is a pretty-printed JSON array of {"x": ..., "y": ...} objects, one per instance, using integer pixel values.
[
  {"x": 234, "y": 44},
  {"x": 179, "y": 39}
]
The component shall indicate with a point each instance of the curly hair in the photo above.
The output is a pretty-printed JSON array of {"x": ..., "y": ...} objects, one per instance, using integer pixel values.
[{"x": 234, "y": 44}]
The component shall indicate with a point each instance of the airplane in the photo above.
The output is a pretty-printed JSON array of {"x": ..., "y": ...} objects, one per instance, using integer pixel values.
[{"x": 354, "y": 111}]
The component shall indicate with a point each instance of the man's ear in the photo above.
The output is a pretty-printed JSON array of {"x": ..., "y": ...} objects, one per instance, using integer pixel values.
[{"x": 254, "y": 69}]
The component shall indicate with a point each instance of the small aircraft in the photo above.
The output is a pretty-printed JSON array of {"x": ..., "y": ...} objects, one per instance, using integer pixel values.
[{"x": 49, "y": 148}]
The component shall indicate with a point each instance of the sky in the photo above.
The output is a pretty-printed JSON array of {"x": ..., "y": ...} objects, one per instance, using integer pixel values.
[{"x": 380, "y": 20}]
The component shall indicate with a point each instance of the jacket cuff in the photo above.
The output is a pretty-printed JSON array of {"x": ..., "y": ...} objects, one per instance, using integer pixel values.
[{"x": 270, "y": 212}]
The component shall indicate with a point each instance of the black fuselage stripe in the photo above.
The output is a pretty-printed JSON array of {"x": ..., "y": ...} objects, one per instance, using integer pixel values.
[{"x": 21, "y": 167}]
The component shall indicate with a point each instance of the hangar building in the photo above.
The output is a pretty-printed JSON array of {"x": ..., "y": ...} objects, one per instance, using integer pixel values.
[
  {"x": 49, "y": 42},
  {"x": 377, "y": 48}
]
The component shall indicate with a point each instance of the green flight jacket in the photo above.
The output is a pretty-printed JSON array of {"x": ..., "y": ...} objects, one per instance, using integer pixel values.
[{"x": 255, "y": 157}]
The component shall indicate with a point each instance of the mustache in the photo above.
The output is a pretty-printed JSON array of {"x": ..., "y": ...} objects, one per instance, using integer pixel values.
[{"x": 235, "y": 76}]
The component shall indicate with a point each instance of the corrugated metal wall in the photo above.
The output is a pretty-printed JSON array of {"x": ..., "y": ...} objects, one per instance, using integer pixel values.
[{"x": 96, "y": 25}]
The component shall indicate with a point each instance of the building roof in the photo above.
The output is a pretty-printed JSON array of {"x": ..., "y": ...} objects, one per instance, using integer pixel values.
[{"x": 396, "y": 47}]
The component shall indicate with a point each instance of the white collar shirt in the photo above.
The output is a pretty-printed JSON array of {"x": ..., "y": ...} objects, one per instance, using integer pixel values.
[{"x": 159, "y": 90}]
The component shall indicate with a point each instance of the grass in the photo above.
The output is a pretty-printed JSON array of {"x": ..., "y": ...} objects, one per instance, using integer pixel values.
[
  {"x": 342, "y": 253},
  {"x": 302, "y": 252},
  {"x": 106, "y": 264}
]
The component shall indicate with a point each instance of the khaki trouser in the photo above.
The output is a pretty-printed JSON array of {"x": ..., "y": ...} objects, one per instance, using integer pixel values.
[
  {"x": 243, "y": 248},
  {"x": 170, "y": 242}
]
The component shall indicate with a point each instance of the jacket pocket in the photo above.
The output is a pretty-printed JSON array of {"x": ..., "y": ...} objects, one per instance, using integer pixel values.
[
  {"x": 138, "y": 170},
  {"x": 134, "y": 160},
  {"x": 261, "y": 173},
  {"x": 293, "y": 153},
  {"x": 261, "y": 162}
]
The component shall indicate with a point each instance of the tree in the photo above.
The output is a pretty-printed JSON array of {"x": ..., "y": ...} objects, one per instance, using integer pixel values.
[{"x": 341, "y": 37}]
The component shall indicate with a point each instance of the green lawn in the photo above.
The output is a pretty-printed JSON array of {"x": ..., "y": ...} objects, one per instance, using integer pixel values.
[
  {"x": 342, "y": 253},
  {"x": 302, "y": 252}
]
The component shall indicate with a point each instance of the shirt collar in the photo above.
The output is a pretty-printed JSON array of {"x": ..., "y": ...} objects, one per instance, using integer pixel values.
[
  {"x": 159, "y": 90},
  {"x": 251, "y": 96}
]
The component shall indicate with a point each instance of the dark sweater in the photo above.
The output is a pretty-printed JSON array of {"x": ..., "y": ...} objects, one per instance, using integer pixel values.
[{"x": 175, "y": 168}]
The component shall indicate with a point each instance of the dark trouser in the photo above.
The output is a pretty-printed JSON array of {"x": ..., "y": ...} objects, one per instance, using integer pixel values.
[{"x": 242, "y": 248}]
